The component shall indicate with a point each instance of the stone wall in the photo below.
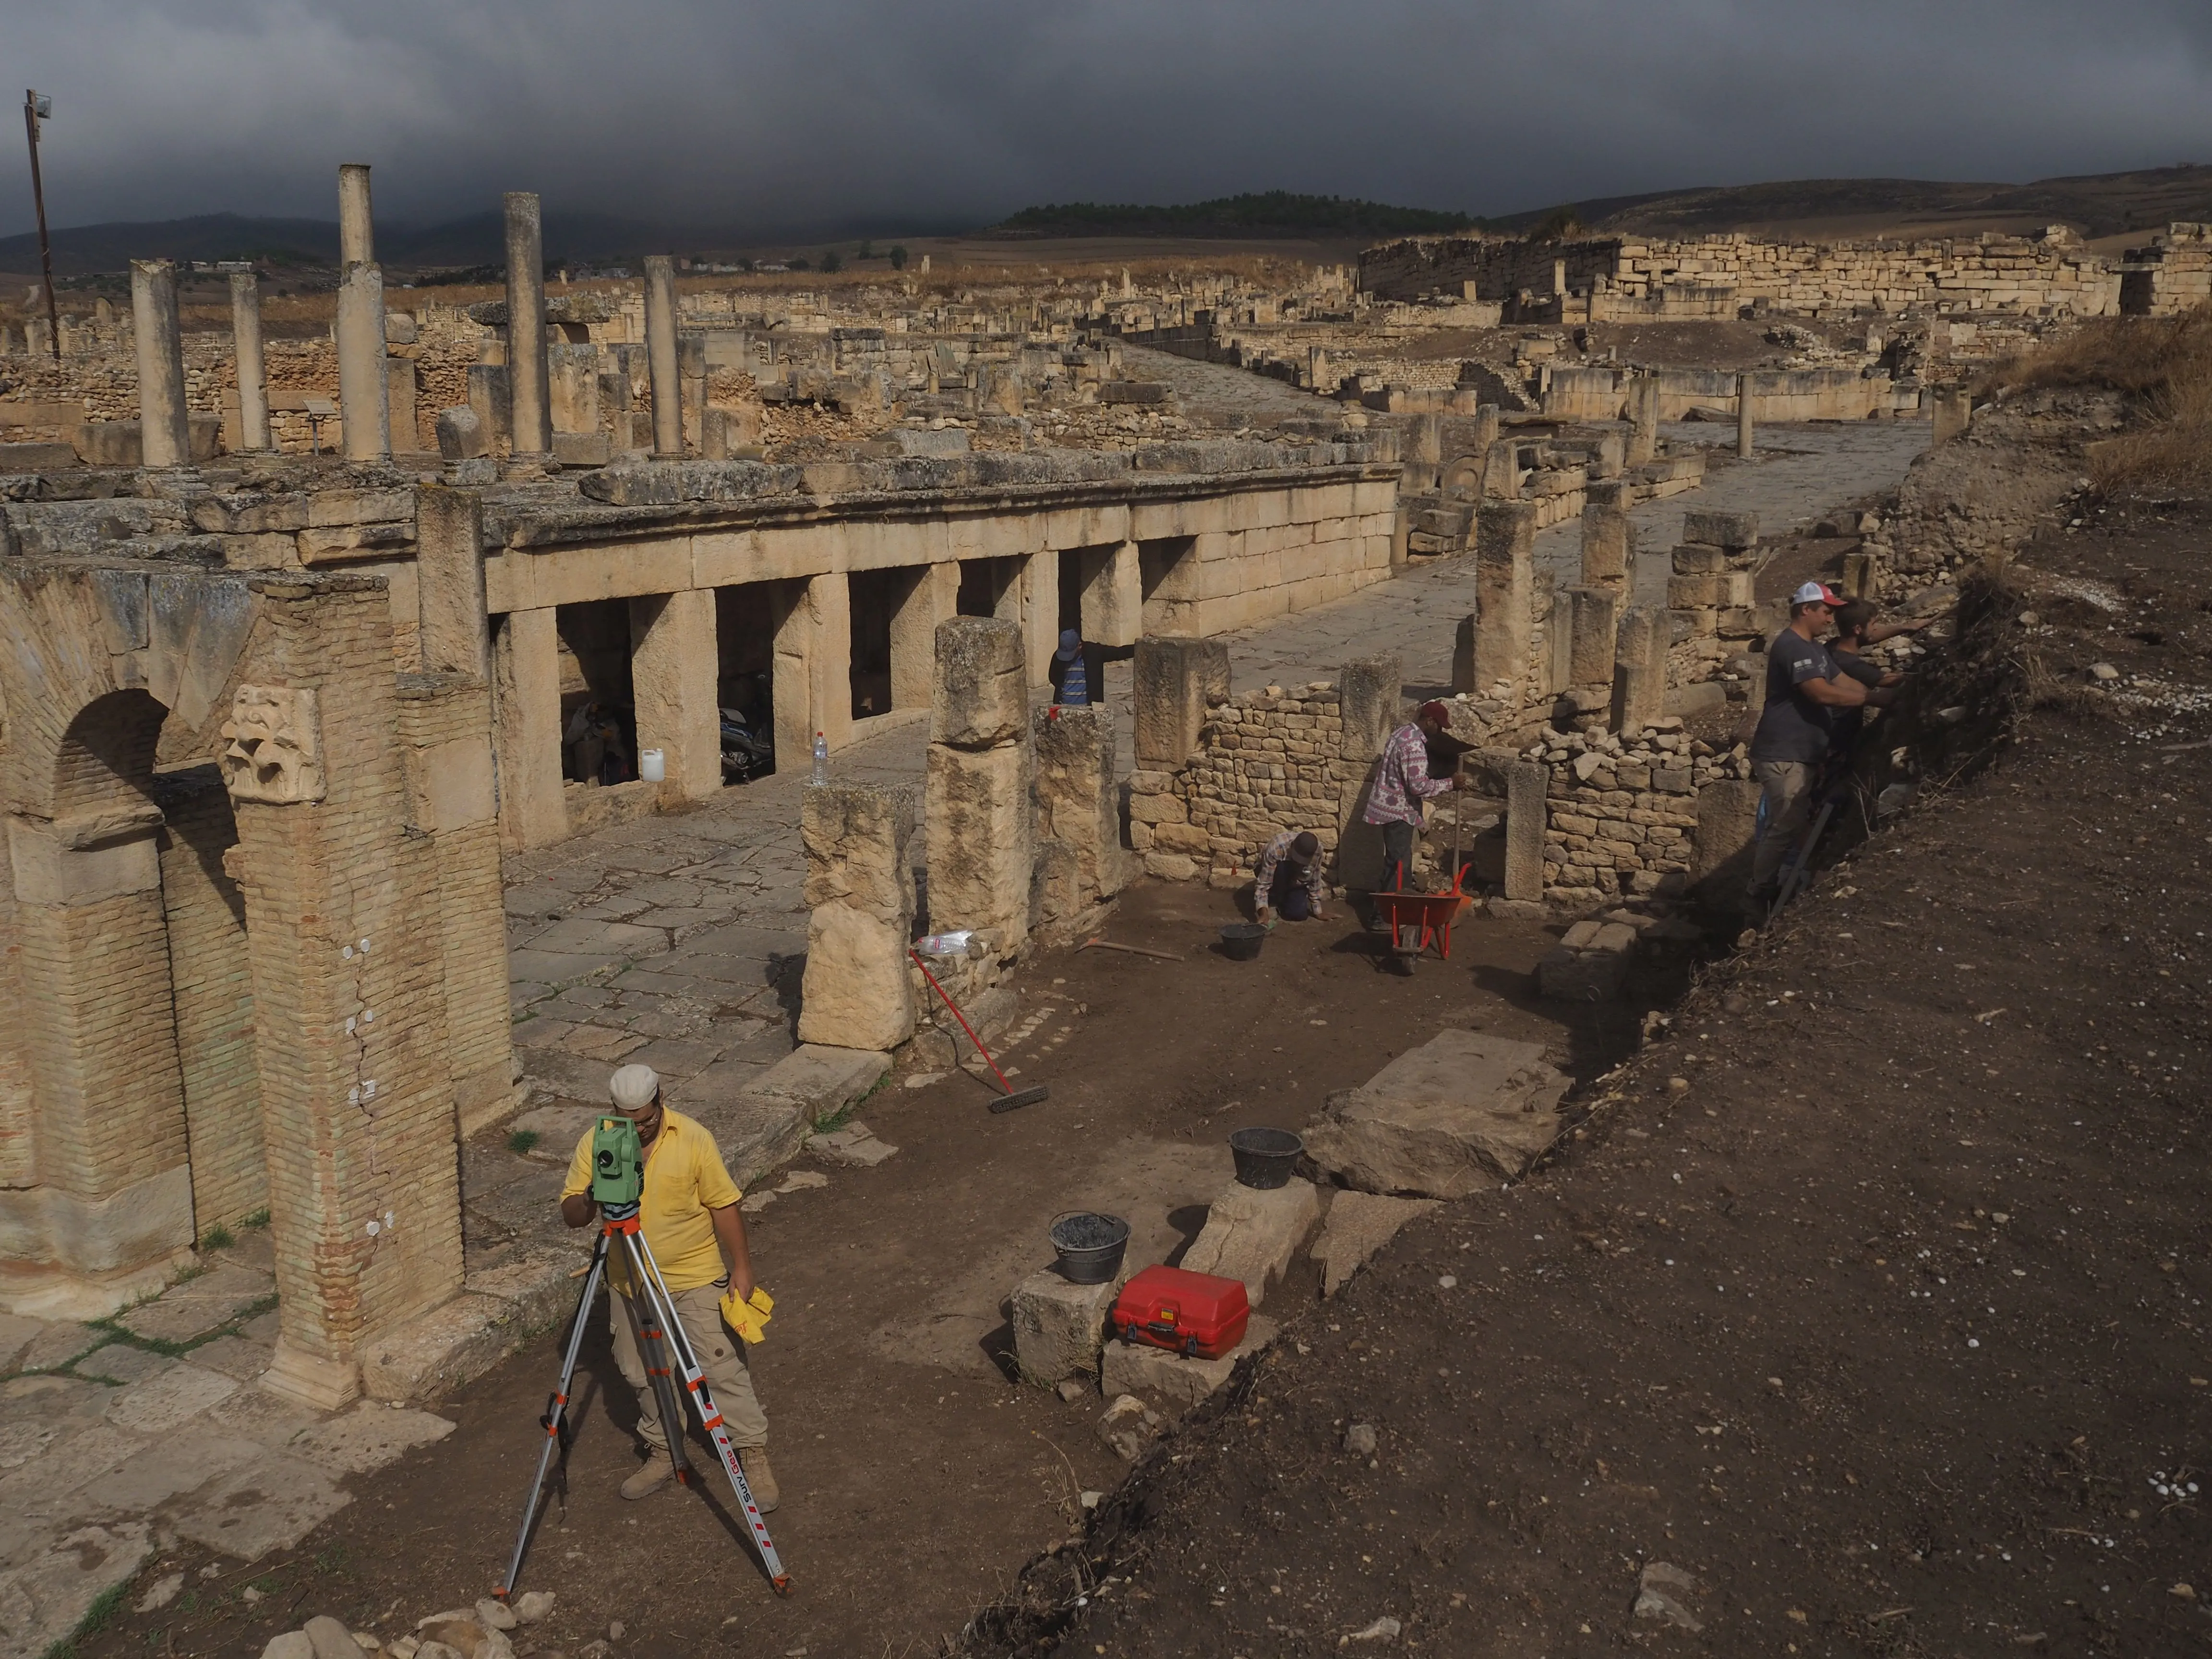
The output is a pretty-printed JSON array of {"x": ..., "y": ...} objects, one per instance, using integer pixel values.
[
  {"x": 1723, "y": 276},
  {"x": 1621, "y": 814},
  {"x": 1266, "y": 761}
]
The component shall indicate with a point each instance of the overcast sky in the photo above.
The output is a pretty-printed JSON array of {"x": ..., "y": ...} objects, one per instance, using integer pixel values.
[{"x": 781, "y": 112}]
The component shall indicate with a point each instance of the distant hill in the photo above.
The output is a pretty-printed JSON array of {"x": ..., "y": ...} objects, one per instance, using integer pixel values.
[
  {"x": 85, "y": 248},
  {"x": 1277, "y": 213},
  {"x": 2096, "y": 204}
]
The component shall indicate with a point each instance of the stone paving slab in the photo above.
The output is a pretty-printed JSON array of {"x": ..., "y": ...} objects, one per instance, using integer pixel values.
[
  {"x": 42, "y": 1600},
  {"x": 199, "y": 1306},
  {"x": 272, "y": 1503}
]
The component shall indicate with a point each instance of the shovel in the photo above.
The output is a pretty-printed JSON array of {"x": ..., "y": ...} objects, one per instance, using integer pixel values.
[{"x": 1012, "y": 1098}]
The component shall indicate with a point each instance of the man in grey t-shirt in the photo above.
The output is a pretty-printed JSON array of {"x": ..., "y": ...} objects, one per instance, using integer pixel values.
[{"x": 1802, "y": 684}]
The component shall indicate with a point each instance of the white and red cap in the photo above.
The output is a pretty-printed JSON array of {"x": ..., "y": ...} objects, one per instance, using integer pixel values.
[{"x": 1817, "y": 593}]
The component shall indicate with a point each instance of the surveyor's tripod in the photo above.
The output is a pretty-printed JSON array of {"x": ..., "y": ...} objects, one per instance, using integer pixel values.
[{"x": 665, "y": 1349}]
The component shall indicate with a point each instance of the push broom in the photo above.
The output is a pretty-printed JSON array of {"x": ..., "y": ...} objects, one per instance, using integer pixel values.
[{"x": 1011, "y": 1099}]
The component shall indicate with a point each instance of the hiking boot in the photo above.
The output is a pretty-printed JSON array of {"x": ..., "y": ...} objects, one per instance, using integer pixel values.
[
  {"x": 654, "y": 1473},
  {"x": 753, "y": 1460}
]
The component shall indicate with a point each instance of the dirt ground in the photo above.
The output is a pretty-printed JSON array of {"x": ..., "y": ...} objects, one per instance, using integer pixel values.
[
  {"x": 917, "y": 1478},
  {"x": 1870, "y": 1296}
]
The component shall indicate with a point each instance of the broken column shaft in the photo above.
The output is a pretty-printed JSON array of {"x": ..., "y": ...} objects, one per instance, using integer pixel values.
[
  {"x": 364, "y": 396},
  {"x": 856, "y": 992},
  {"x": 981, "y": 826},
  {"x": 530, "y": 406},
  {"x": 165, "y": 434},
  {"x": 253, "y": 374}
]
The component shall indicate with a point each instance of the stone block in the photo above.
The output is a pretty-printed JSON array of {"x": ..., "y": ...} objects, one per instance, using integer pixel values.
[
  {"x": 1504, "y": 578},
  {"x": 1457, "y": 1114},
  {"x": 44, "y": 1595},
  {"x": 824, "y": 1078},
  {"x": 1718, "y": 528},
  {"x": 856, "y": 992},
  {"x": 1370, "y": 705},
  {"x": 1358, "y": 1225},
  {"x": 1693, "y": 560},
  {"x": 372, "y": 1435},
  {"x": 1173, "y": 679},
  {"x": 980, "y": 697},
  {"x": 1527, "y": 783},
  {"x": 1563, "y": 975},
  {"x": 1254, "y": 1235},
  {"x": 463, "y": 434},
  {"x": 1639, "y": 683},
  {"x": 1060, "y": 1328},
  {"x": 981, "y": 832},
  {"x": 1170, "y": 1380},
  {"x": 1593, "y": 622},
  {"x": 1609, "y": 546},
  {"x": 1728, "y": 814}
]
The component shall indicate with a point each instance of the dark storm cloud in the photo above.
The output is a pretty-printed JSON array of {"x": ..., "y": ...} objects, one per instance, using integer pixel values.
[{"x": 722, "y": 113}]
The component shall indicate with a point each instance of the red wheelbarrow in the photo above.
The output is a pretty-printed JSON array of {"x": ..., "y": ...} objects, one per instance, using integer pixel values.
[{"x": 1420, "y": 920}]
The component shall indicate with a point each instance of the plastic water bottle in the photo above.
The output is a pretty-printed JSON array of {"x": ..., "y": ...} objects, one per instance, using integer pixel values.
[{"x": 821, "y": 758}]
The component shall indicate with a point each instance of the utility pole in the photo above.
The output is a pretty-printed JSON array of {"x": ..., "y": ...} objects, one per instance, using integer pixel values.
[{"x": 35, "y": 108}]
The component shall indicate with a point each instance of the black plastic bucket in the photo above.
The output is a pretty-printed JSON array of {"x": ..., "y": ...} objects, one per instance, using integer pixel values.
[
  {"x": 1090, "y": 1246},
  {"x": 1241, "y": 940},
  {"x": 1265, "y": 1157}
]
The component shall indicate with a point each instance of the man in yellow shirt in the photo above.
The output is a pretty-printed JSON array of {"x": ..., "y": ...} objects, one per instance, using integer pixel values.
[{"x": 691, "y": 1219}]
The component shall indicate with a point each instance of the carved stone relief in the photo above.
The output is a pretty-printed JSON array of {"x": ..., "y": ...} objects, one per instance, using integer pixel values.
[{"x": 274, "y": 748}]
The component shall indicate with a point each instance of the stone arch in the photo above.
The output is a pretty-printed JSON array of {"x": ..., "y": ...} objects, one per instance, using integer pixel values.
[{"x": 106, "y": 669}]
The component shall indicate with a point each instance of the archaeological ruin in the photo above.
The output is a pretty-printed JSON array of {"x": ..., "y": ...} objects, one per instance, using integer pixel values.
[{"x": 303, "y": 635}]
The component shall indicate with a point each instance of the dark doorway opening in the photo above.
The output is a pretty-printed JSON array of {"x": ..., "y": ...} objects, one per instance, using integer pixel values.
[
  {"x": 875, "y": 597},
  {"x": 745, "y": 679},
  {"x": 598, "y": 708}
]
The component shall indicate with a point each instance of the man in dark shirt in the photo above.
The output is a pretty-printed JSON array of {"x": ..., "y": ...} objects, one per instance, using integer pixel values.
[
  {"x": 1856, "y": 630},
  {"x": 1803, "y": 685}
]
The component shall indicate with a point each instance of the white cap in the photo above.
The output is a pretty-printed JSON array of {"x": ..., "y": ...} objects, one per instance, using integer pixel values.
[
  {"x": 1815, "y": 593},
  {"x": 634, "y": 1086}
]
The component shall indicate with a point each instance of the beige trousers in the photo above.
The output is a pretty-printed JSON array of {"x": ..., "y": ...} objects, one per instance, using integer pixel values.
[
  {"x": 1787, "y": 787},
  {"x": 721, "y": 1355}
]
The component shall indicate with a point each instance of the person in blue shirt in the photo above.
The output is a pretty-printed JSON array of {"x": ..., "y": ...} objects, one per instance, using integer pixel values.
[{"x": 1070, "y": 673}]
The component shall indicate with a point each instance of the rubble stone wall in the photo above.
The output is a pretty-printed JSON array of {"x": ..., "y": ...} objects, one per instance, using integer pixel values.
[
  {"x": 1266, "y": 761},
  {"x": 1717, "y": 276}
]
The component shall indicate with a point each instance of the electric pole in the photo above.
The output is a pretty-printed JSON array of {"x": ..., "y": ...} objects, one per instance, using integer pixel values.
[{"x": 35, "y": 107}]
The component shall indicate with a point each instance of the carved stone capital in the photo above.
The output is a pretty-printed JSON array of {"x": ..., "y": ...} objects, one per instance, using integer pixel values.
[{"x": 274, "y": 752}]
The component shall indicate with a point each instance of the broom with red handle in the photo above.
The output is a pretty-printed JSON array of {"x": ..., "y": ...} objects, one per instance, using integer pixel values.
[{"x": 1011, "y": 1099}]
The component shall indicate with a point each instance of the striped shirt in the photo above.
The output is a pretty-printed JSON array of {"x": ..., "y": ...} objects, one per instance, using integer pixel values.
[
  {"x": 1271, "y": 860},
  {"x": 1402, "y": 781}
]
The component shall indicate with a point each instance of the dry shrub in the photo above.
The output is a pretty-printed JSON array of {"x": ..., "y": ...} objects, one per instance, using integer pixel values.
[{"x": 2163, "y": 366}]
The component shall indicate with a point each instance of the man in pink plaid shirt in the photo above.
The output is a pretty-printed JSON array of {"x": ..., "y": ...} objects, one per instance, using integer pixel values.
[{"x": 1402, "y": 783}]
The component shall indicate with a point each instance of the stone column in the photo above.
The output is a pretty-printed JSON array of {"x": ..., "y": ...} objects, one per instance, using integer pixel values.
[
  {"x": 531, "y": 413},
  {"x": 981, "y": 827},
  {"x": 673, "y": 681},
  {"x": 812, "y": 673},
  {"x": 857, "y": 992},
  {"x": 1174, "y": 680},
  {"x": 1728, "y": 814},
  {"x": 253, "y": 375},
  {"x": 1039, "y": 585},
  {"x": 1505, "y": 585},
  {"x": 663, "y": 369},
  {"x": 1639, "y": 674},
  {"x": 1595, "y": 622},
  {"x": 1112, "y": 595},
  {"x": 1501, "y": 469},
  {"x": 932, "y": 596},
  {"x": 351, "y": 1041},
  {"x": 164, "y": 433},
  {"x": 1643, "y": 419},
  {"x": 1608, "y": 539},
  {"x": 527, "y": 722},
  {"x": 1370, "y": 705},
  {"x": 452, "y": 630},
  {"x": 364, "y": 392},
  {"x": 1080, "y": 860},
  {"x": 1743, "y": 416},
  {"x": 1955, "y": 411},
  {"x": 1526, "y": 785},
  {"x": 1317, "y": 370},
  {"x": 356, "y": 223},
  {"x": 1424, "y": 453}
]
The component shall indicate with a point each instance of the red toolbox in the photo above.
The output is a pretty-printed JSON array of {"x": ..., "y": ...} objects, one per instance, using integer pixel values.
[{"x": 1197, "y": 1314}]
